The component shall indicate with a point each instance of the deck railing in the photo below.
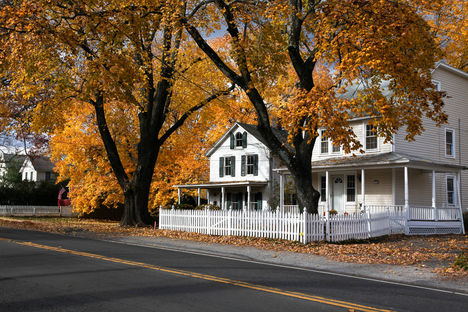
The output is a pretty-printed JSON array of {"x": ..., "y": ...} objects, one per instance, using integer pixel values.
[{"x": 31, "y": 211}]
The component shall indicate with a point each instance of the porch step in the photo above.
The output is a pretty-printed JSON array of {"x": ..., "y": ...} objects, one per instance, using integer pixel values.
[{"x": 434, "y": 227}]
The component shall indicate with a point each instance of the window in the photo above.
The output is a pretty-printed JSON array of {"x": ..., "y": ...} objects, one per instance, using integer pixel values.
[
  {"x": 336, "y": 148},
  {"x": 371, "y": 137},
  {"x": 323, "y": 188},
  {"x": 227, "y": 166},
  {"x": 450, "y": 191},
  {"x": 350, "y": 188},
  {"x": 47, "y": 176},
  {"x": 449, "y": 143},
  {"x": 238, "y": 139},
  {"x": 250, "y": 164},
  {"x": 323, "y": 142}
]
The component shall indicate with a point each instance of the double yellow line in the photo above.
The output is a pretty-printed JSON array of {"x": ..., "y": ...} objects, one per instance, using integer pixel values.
[{"x": 338, "y": 303}]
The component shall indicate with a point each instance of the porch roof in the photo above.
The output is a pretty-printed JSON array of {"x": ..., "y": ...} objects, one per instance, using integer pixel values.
[
  {"x": 213, "y": 185},
  {"x": 382, "y": 160}
]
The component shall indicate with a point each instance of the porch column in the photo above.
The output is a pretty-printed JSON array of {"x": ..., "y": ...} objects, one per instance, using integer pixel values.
[
  {"x": 433, "y": 190},
  {"x": 198, "y": 197},
  {"x": 434, "y": 208},
  {"x": 327, "y": 191},
  {"x": 248, "y": 197},
  {"x": 281, "y": 192},
  {"x": 222, "y": 197},
  {"x": 208, "y": 197},
  {"x": 459, "y": 200},
  {"x": 393, "y": 186},
  {"x": 406, "y": 194},
  {"x": 363, "y": 189},
  {"x": 178, "y": 195}
]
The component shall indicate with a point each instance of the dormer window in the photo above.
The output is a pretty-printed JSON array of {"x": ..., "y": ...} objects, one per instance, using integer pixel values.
[
  {"x": 238, "y": 140},
  {"x": 371, "y": 137}
]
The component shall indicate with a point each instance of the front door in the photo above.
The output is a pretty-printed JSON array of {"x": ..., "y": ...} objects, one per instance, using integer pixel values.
[{"x": 338, "y": 194}]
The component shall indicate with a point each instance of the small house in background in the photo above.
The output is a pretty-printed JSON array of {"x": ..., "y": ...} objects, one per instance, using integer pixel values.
[
  {"x": 9, "y": 159},
  {"x": 37, "y": 169}
]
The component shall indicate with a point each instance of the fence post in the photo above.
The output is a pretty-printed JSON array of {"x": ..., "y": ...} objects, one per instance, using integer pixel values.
[
  {"x": 229, "y": 222},
  {"x": 277, "y": 222},
  {"x": 367, "y": 214},
  {"x": 34, "y": 211},
  {"x": 327, "y": 227},
  {"x": 172, "y": 219},
  {"x": 208, "y": 220},
  {"x": 304, "y": 234}
]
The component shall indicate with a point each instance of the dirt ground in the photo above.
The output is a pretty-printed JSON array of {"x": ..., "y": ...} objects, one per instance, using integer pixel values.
[{"x": 438, "y": 253}]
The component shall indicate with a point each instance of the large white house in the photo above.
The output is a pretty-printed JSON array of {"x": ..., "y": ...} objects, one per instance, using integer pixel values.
[{"x": 426, "y": 174}]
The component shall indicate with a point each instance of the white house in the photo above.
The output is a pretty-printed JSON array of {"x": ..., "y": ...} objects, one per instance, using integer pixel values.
[
  {"x": 37, "y": 169},
  {"x": 426, "y": 175},
  {"x": 241, "y": 170},
  {"x": 8, "y": 159}
]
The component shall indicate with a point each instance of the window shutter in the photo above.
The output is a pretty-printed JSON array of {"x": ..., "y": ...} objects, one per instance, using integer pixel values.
[
  {"x": 221, "y": 167},
  {"x": 255, "y": 165},
  {"x": 232, "y": 140},
  {"x": 243, "y": 165},
  {"x": 244, "y": 139},
  {"x": 233, "y": 166},
  {"x": 228, "y": 201},
  {"x": 258, "y": 198}
]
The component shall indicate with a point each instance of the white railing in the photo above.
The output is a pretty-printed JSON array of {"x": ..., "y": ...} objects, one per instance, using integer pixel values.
[
  {"x": 291, "y": 208},
  {"x": 302, "y": 227},
  {"x": 358, "y": 226},
  {"x": 30, "y": 211},
  {"x": 394, "y": 209},
  {"x": 434, "y": 214}
]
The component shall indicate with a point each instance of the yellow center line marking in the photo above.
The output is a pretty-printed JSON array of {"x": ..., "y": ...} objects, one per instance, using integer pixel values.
[{"x": 329, "y": 301}]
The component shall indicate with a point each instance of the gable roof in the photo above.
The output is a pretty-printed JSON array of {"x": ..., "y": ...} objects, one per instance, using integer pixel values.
[
  {"x": 40, "y": 164},
  {"x": 450, "y": 69},
  {"x": 282, "y": 135}
]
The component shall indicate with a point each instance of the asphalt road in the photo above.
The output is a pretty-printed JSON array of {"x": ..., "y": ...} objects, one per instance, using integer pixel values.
[{"x": 49, "y": 272}]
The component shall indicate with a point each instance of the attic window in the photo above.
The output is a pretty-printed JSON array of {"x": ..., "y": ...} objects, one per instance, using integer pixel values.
[
  {"x": 371, "y": 137},
  {"x": 238, "y": 139}
]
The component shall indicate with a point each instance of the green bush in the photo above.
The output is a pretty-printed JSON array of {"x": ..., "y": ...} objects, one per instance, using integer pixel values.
[
  {"x": 207, "y": 206},
  {"x": 461, "y": 262},
  {"x": 29, "y": 193},
  {"x": 465, "y": 221}
]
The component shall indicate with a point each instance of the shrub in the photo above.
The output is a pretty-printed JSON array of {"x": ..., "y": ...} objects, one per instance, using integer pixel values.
[
  {"x": 465, "y": 221},
  {"x": 461, "y": 262},
  {"x": 207, "y": 206},
  {"x": 333, "y": 212}
]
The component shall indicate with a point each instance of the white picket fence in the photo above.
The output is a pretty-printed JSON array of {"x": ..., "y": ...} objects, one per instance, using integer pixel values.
[
  {"x": 277, "y": 224},
  {"x": 30, "y": 211}
]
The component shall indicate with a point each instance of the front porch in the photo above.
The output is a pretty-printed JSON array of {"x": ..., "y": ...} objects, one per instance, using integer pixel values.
[
  {"x": 413, "y": 189},
  {"x": 246, "y": 195}
]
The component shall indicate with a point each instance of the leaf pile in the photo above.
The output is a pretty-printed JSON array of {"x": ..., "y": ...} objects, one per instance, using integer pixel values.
[{"x": 435, "y": 252}]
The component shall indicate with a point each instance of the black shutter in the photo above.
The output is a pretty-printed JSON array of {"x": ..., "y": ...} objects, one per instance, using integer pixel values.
[
  {"x": 221, "y": 167},
  {"x": 232, "y": 140},
  {"x": 255, "y": 165},
  {"x": 228, "y": 201},
  {"x": 243, "y": 165},
  {"x": 244, "y": 139},
  {"x": 233, "y": 166},
  {"x": 258, "y": 199}
]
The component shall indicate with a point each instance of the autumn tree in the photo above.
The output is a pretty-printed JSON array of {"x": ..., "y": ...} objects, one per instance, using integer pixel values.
[
  {"x": 383, "y": 50},
  {"x": 113, "y": 56}
]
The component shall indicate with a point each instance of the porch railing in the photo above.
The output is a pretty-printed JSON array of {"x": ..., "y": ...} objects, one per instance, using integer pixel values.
[{"x": 434, "y": 214}]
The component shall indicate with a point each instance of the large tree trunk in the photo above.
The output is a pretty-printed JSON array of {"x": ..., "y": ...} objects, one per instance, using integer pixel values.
[{"x": 136, "y": 207}]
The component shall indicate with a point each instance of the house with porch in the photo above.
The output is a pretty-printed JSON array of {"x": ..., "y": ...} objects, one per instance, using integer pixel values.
[
  {"x": 424, "y": 180},
  {"x": 241, "y": 170}
]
